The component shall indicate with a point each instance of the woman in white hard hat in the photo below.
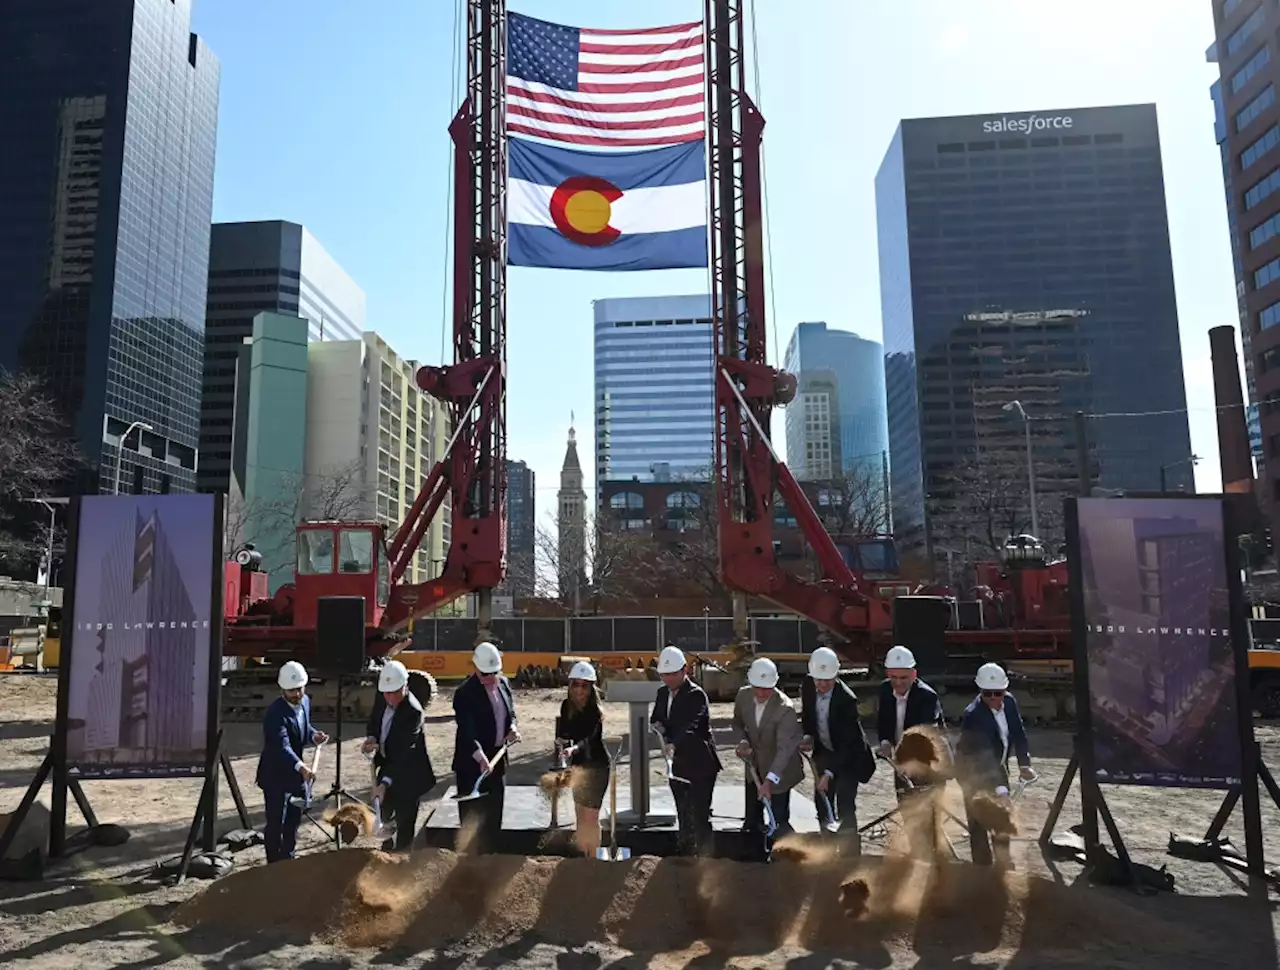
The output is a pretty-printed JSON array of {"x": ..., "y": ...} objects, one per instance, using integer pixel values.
[
  {"x": 282, "y": 774},
  {"x": 397, "y": 738},
  {"x": 842, "y": 757},
  {"x": 580, "y": 726},
  {"x": 766, "y": 720},
  {"x": 485, "y": 712},
  {"x": 682, "y": 716},
  {"x": 991, "y": 728}
]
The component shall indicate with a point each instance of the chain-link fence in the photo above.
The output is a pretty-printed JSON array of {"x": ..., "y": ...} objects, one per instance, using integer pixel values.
[{"x": 626, "y": 634}]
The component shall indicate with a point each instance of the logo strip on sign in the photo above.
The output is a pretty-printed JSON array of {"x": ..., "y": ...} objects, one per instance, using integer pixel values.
[{"x": 1027, "y": 125}]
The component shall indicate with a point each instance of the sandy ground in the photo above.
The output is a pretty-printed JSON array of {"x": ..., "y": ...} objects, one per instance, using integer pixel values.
[{"x": 99, "y": 908}]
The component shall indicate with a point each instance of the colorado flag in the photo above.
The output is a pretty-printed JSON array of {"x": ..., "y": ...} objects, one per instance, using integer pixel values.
[{"x": 634, "y": 210}]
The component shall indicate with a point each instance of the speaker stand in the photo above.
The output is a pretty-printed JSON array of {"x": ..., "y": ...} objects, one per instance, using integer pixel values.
[{"x": 336, "y": 793}]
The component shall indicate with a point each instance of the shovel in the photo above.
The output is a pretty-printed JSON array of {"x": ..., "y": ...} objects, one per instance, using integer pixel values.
[
  {"x": 381, "y": 830},
  {"x": 476, "y": 792},
  {"x": 614, "y": 852},
  {"x": 662, "y": 743},
  {"x": 830, "y": 823},
  {"x": 770, "y": 824},
  {"x": 301, "y": 801}
]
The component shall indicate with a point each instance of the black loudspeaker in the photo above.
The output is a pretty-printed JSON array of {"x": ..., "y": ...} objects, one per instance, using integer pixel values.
[
  {"x": 920, "y": 624},
  {"x": 340, "y": 634}
]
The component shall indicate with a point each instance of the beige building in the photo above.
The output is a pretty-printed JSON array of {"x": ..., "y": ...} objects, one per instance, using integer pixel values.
[{"x": 372, "y": 439}]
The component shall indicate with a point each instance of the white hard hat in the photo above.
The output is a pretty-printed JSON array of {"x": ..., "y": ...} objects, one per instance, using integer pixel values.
[
  {"x": 671, "y": 660},
  {"x": 487, "y": 658},
  {"x": 292, "y": 676},
  {"x": 899, "y": 658},
  {"x": 583, "y": 671},
  {"x": 394, "y": 676},
  {"x": 763, "y": 673},
  {"x": 992, "y": 677},
  {"x": 824, "y": 664}
]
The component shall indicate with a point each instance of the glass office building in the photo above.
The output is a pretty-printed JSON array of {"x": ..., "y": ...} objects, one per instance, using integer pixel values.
[
  {"x": 836, "y": 425},
  {"x": 109, "y": 117},
  {"x": 654, "y": 390},
  {"x": 271, "y": 266},
  {"x": 1026, "y": 257}
]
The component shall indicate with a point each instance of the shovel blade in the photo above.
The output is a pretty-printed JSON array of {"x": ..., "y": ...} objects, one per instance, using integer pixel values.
[
  {"x": 470, "y": 796},
  {"x": 618, "y": 853}
]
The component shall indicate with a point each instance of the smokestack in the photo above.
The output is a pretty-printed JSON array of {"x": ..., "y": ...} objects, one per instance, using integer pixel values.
[{"x": 1233, "y": 432}]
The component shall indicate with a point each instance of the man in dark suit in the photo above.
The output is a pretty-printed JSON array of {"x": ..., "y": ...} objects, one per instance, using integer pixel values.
[
  {"x": 397, "y": 733},
  {"x": 905, "y": 701},
  {"x": 991, "y": 728},
  {"x": 485, "y": 711},
  {"x": 682, "y": 715},
  {"x": 282, "y": 775},
  {"x": 842, "y": 757}
]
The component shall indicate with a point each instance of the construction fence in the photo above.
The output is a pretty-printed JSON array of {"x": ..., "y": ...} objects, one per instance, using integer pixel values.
[{"x": 615, "y": 634}]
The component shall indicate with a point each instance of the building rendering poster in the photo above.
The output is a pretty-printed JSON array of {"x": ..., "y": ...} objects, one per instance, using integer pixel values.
[
  {"x": 1161, "y": 664},
  {"x": 144, "y": 616}
]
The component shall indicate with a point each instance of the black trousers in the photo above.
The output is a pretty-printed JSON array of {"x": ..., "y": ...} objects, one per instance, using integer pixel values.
[
  {"x": 842, "y": 793},
  {"x": 485, "y": 814},
  {"x": 281, "y": 831},
  {"x": 405, "y": 812},
  {"x": 693, "y": 815},
  {"x": 981, "y": 841}
]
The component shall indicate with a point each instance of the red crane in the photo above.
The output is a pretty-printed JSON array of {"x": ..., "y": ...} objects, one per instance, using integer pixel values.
[{"x": 471, "y": 474}]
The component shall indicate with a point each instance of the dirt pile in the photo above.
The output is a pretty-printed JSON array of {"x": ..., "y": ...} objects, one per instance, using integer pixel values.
[{"x": 435, "y": 898}]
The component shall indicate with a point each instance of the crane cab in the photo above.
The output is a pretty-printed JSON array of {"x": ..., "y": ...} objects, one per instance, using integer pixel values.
[{"x": 341, "y": 559}]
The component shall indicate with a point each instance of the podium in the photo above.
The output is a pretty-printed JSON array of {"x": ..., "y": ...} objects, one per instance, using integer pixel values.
[{"x": 639, "y": 696}]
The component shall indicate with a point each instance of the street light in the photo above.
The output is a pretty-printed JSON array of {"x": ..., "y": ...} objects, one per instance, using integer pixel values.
[
  {"x": 120, "y": 449},
  {"x": 1193, "y": 460},
  {"x": 1031, "y": 472},
  {"x": 50, "y": 504}
]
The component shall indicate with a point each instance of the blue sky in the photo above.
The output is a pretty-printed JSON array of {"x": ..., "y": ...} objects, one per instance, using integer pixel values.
[{"x": 333, "y": 114}]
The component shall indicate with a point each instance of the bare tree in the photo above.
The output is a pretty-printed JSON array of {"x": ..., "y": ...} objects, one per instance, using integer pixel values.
[
  {"x": 854, "y": 503},
  {"x": 337, "y": 494},
  {"x": 986, "y": 498},
  {"x": 618, "y": 562},
  {"x": 37, "y": 457}
]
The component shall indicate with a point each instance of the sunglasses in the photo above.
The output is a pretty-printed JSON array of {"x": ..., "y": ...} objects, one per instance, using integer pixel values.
[{"x": 993, "y": 693}]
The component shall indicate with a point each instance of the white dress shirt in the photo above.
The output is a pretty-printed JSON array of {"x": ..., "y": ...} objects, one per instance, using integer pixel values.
[
  {"x": 902, "y": 715},
  {"x": 822, "y": 708},
  {"x": 760, "y": 707},
  {"x": 1002, "y": 725}
]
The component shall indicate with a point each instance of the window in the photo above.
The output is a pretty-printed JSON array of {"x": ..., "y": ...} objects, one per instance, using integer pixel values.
[
  {"x": 1267, "y": 319},
  {"x": 1262, "y": 189},
  {"x": 1264, "y": 232},
  {"x": 315, "y": 552},
  {"x": 1266, "y": 274},
  {"x": 1245, "y": 31},
  {"x": 1250, "y": 69},
  {"x": 1269, "y": 360},
  {"x": 684, "y": 500},
  {"x": 1260, "y": 147},
  {"x": 355, "y": 551},
  {"x": 626, "y": 500},
  {"x": 1254, "y": 108}
]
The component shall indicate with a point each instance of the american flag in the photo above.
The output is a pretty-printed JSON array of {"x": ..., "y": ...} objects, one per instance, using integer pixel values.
[{"x": 616, "y": 88}]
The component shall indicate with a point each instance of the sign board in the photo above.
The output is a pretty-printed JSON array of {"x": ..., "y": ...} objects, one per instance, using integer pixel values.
[
  {"x": 1153, "y": 618},
  {"x": 140, "y": 683}
]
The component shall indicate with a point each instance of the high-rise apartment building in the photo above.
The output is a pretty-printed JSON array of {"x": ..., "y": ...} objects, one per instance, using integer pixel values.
[
  {"x": 255, "y": 267},
  {"x": 369, "y": 423},
  {"x": 1247, "y": 129},
  {"x": 521, "y": 531},
  {"x": 109, "y": 117},
  {"x": 836, "y": 425},
  {"x": 654, "y": 387},
  {"x": 1025, "y": 258}
]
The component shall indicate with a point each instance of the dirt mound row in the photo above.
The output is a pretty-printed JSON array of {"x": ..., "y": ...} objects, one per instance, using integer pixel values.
[{"x": 433, "y": 898}]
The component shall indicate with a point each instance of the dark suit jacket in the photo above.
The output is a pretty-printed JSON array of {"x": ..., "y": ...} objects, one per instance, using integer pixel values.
[
  {"x": 923, "y": 707},
  {"x": 685, "y": 722},
  {"x": 403, "y": 759},
  {"x": 474, "y": 717},
  {"x": 850, "y": 754},
  {"x": 979, "y": 764},
  {"x": 586, "y": 730},
  {"x": 283, "y": 740}
]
